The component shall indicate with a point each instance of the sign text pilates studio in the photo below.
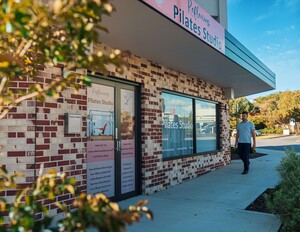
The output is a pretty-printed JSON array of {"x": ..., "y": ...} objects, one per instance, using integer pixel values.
[{"x": 189, "y": 15}]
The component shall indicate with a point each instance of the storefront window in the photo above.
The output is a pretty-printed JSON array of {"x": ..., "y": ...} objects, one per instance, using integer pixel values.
[
  {"x": 184, "y": 135},
  {"x": 206, "y": 126},
  {"x": 177, "y": 126}
]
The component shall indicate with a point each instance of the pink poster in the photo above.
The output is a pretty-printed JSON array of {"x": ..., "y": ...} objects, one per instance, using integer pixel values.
[
  {"x": 100, "y": 167},
  {"x": 127, "y": 166},
  {"x": 189, "y": 15}
]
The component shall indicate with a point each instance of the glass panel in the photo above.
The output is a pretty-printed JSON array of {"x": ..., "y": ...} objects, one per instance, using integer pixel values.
[
  {"x": 177, "y": 125},
  {"x": 127, "y": 141},
  {"x": 100, "y": 144},
  {"x": 206, "y": 126}
]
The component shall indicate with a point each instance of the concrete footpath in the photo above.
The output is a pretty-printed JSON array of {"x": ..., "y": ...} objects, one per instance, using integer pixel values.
[{"x": 216, "y": 201}]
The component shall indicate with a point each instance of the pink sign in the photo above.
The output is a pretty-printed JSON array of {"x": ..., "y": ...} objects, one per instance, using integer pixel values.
[
  {"x": 127, "y": 150},
  {"x": 98, "y": 151},
  {"x": 190, "y": 16}
]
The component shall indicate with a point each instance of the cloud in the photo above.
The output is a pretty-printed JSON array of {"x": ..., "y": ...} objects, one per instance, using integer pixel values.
[
  {"x": 289, "y": 6},
  {"x": 262, "y": 17},
  {"x": 292, "y": 5},
  {"x": 273, "y": 32},
  {"x": 280, "y": 31}
]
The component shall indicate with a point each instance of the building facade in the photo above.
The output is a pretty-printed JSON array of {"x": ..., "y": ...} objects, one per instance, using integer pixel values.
[{"x": 163, "y": 121}]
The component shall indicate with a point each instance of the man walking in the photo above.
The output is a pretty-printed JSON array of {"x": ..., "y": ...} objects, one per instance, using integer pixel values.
[{"x": 245, "y": 130}]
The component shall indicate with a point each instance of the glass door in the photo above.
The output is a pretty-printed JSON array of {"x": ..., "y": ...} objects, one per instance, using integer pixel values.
[
  {"x": 127, "y": 140},
  {"x": 111, "y": 142}
]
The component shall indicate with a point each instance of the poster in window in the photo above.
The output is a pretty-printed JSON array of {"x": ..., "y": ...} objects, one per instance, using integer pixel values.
[
  {"x": 100, "y": 144},
  {"x": 127, "y": 141}
]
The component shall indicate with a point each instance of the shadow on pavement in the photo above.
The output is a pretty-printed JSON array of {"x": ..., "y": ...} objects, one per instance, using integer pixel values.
[{"x": 282, "y": 147}]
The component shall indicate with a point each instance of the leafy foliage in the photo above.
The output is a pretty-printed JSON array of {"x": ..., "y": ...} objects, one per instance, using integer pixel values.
[
  {"x": 36, "y": 33},
  {"x": 88, "y": 210},
  {"x": 286, "y": 199},
  {"x": 272, "y": 112},
  {"x": 237, "y": 106},
  {"x": 39, "y": 34},
  {"x": 277, "y": 109}
]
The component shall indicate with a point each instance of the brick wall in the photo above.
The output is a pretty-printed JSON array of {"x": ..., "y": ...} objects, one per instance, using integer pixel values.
[
  {"x": 33, "y": 133},
  {"x": 156, "y": 173}
]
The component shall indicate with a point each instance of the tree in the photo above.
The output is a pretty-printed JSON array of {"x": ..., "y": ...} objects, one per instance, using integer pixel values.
[
  {"x": 53, "y": 33},
  {"x": 243, "y": 104},
  {"x": 277, "y": 109},
  {"x": 58, "y": 33}
]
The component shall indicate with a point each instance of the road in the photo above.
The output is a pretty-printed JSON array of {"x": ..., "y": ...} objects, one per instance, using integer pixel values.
[{"x": 279, "y": 144}]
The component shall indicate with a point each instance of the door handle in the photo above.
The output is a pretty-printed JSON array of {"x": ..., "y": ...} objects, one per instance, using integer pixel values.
[{"x": 118, "y": 145}]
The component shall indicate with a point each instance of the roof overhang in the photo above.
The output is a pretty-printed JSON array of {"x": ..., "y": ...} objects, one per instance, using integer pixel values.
[{"x": 146, "y": 33}]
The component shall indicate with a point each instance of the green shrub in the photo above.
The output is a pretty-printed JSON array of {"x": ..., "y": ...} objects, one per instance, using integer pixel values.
[
  {"x": 86, "y": 211},
  {"x": 272, "y": 131},
  {"x": 286, "y": 200}
]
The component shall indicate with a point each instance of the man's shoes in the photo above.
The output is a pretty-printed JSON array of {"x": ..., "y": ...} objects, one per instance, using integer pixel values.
[{"x": 245, "y": 172}]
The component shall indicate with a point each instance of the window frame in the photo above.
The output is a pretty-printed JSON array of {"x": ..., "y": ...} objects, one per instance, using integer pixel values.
[{"x": 218, "y": 120}]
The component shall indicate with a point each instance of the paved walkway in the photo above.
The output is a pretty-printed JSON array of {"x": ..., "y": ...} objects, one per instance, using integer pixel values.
[{"x": 215, "y": 202}]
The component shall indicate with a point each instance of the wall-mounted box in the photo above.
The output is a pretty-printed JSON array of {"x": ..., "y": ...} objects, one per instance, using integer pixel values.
[{"x": 73, "y": 123}]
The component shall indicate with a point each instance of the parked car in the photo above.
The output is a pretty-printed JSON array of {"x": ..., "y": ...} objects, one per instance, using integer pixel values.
[
  {"x": 233, "y": 133},
  {"x": 258, "y": 132}
]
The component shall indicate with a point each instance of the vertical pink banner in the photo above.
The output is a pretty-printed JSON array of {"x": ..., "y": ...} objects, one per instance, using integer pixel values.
[
  {"x": 189, "y": 15},
  {"x": 127, "y": 166}
]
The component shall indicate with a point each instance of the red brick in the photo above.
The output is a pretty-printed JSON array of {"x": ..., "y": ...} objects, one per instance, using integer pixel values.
[
  {"x": 64, "y": 151},
  {"x": 50, "y": 105},
  {"x": 42, "y": 159},
  {"x": 57, "y": 157},
  {"x": 42, "y": 122},
  {"x": 18, "y": 116},
  {"x": 81, "y": 102},
  {"x": 64, "y": 197},
  {"x": 46, "y": 111},
  {"x": 76, "y": 96},
  {"x": 50, "y": 128},
  {"x": 63, "y": 163},
  {"x": 12, "y": 134},
  {"x": 71, "y": 101},
  {"x": 15, "y": 153},
  {"x": 39, "y": 153},
  {"x": 42, "y": 147},
  {"x": 50, "y": 165}
]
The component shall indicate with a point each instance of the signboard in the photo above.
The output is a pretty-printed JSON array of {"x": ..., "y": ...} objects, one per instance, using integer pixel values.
[
  {"x": 292, "y": 122},
  {"x": 189, "y": 15}
]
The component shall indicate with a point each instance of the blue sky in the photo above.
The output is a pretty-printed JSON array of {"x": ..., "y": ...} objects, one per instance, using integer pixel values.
[{"x": 270, "y": 29}]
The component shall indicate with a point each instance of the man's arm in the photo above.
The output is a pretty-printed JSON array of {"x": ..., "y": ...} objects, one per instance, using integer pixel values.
[
  {"x": 237, "y": 138},
  {"x": 254, "y": 138}
]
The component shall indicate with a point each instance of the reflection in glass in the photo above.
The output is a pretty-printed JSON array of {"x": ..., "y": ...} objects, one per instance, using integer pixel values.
[
  {"x": 206, "y": 126},
  {"x": 177, "y": 125}
]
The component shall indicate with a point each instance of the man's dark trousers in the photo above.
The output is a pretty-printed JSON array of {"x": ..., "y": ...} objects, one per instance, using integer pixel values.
[{"x": 244, "y": 153}]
